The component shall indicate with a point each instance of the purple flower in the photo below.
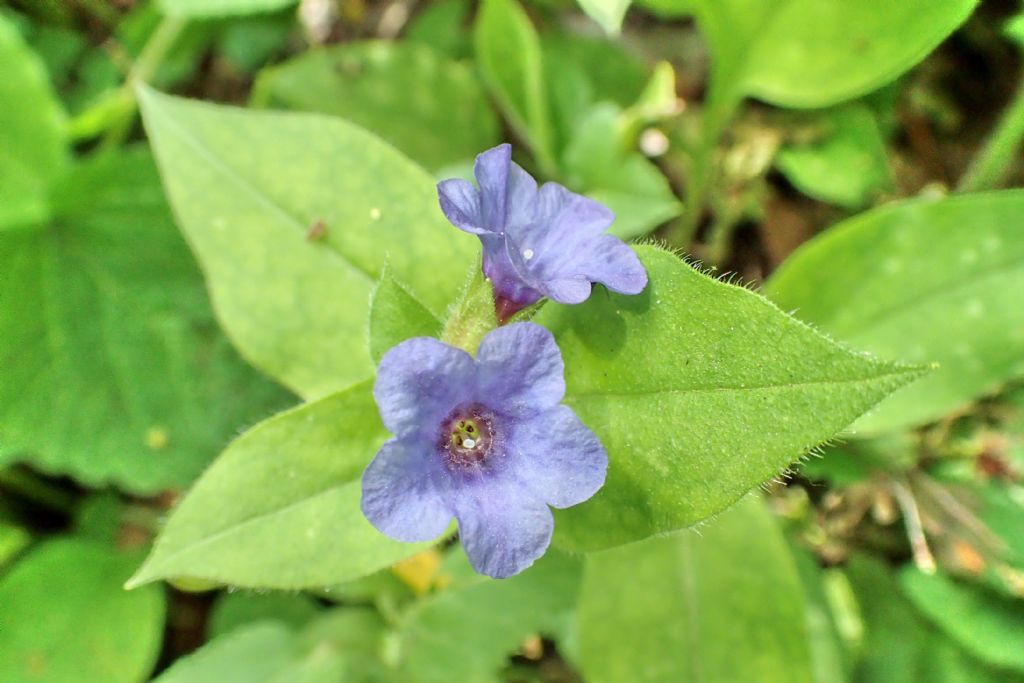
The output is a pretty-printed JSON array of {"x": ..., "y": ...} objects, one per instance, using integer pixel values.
[
  {"x": 485, "y": 441},
  {"x": 538, "y": 242}
]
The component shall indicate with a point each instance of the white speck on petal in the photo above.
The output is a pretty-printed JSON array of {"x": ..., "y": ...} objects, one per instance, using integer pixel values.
[{"x": 527, "y": 254}]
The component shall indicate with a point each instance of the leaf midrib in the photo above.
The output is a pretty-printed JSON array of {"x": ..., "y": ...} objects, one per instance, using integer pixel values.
[
  {"x": 240, "y": 181},
  {"x": 901, "y": 371}
]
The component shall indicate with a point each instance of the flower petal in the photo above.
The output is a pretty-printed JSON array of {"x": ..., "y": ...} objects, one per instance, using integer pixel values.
[
  {"x": 419, "y": 382},
  {"x": 568, "y": 290},
  {"x": 557, "y": 458},
  {"x": 520, "y": 368},
  {"x": 521, "y": 202},
  {"x": 491, "y": 172},
  {"x": 400, "y": 495},
  {"x": 460, "y": 202},
  {"x": 615, "y": 265},
  {"x": 503, "y": 531},
  {"x": 572, "y": 212}
]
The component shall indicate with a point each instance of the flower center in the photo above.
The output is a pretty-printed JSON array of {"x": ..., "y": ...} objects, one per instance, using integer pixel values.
[{"x": 467, "y": 435}]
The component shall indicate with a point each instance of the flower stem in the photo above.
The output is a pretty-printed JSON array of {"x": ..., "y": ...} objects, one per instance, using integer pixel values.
[{"x": 1000, "y": 151}]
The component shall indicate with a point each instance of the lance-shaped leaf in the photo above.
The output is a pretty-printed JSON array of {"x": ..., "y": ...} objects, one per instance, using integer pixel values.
[
  {"x": 280, "y": 507},
  {"x": 979, "y": 619},
  {"x": 809, "y": 53},
  {"x": 509, "y": 56},
  {"x": 292, "y": 217},
  {"x": 722, "y": 605},
  {"x": 922, "y": 281},
  {"x": 700, "y": 390}
]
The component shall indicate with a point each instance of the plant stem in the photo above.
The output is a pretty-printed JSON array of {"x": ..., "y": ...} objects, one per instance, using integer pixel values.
[
  {"x": 718, "y": 111},
  {"x": 149, "y": 60},
  {"x": 1000, "y": 151}
]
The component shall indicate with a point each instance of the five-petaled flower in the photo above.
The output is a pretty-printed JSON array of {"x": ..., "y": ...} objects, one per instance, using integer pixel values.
[
  {"x": 546, "y": 242},
  {"x": 484, "y": 440}
]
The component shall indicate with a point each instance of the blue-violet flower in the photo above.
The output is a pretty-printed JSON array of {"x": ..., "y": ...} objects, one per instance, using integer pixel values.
[
  {"x": 538, "y": 242},
  {"x": 483, "y": 440}
]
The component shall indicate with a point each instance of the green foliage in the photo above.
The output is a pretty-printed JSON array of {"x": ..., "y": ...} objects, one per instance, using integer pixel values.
[
  {"x": 467, "y": 632},
  {"x": 977, "y": 618},
  {"x": 200, "y": 9},
  {"x": 898, "y": 645},
  {"x": 923, "y": 281},
  {"x": 296, "y": 304},
  {"x": 509, "y": 57},
  {"x": 65, "y": 617},
  {"x": 624, "y": 181},
  {"x": 280, "y": 507},
  {"x": 396, "y": 90},
  {"x": 847, "y": 166},
  {"x": 700, "y": 390},
  {"x": 809, "y": 53},
  {"x": 396, "y": 315},
  {"x": 336, "y": 647},
  {"x": 687, "y": 607},
  {"x": 32, "y": 148},
  {"x": 13, "y": 539},
  {"x": 237, "y": 610},
  {"x": 115, "y": 371}
]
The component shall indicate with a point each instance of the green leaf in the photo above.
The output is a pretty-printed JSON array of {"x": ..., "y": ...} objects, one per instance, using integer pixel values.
[
  {"x": 700, "y": 390},
  {"x": 981, "y": 620},
  {"x": 467, "y": 633},
  {"x": 509, "y": 57},
  {"x": 280, "y": 507},
  {"x": 429, "y": 107},
  {"x": 580, "y": 72},
  {"x": 607, "y": 13},
  {"x": 13, "y": 539},
  {"x": 899, "y": 646},
  {"x": 396, "y": 315},
  {"x": 336, "y": 647},
  {"x": 625, "y": 181},
  {"x": 292, "y": 236},
  {"x": 847, "y": 166},
  {"x": 723, "y": 605},
  {"x": 252, "y": 654},
  {"x": 114, "y": 370},
  {"x": 237, "y": 610},
  {"x": 204, "y": 9},
  {"x": 923, "y": 281},
  {"x": 442, "y": 25},
  {"x": 809, "y": 53},
  {"x": 32, "y": 148},
  {"x": 65, "y": 617}
]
